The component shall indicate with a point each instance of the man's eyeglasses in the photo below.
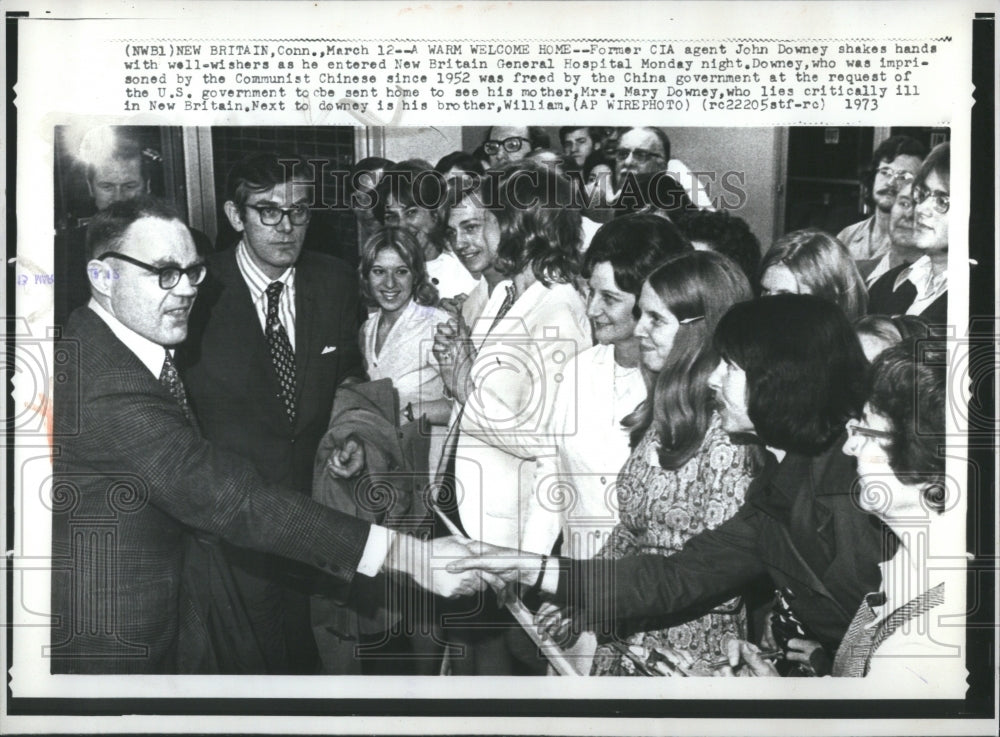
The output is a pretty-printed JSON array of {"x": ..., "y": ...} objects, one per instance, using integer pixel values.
[
  {"x": 641, "y": 155},
  {"x": 856, "y": 429},
  {"x": 169, "y": 276},
  {"x": 510, "y": 145},
  {"x": 895, "y": 175},
  {"x": 942, "y": 200},
  {"x": 272, "y": 214}
]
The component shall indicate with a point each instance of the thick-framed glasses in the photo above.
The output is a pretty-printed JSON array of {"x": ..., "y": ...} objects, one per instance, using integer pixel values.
[
  {"x": 272, "y": 214},
  {"x": 855, "y": 429},
  {"x": 641, "y": 155},
  {"x": 169, "y": 276},
  {"x": 942, "y": 200},
  {"x": 510, "y": 145},
  {"x": 895, "y": 175}
]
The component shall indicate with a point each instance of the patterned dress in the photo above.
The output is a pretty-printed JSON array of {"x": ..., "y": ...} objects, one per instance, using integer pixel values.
[{"x": 660, "y": 511}]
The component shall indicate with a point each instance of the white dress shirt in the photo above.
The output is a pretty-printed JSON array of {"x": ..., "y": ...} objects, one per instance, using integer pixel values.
[{"x": 929, "y": 287}]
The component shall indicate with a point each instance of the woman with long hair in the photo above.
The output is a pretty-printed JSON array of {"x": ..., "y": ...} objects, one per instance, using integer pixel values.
[
  {"x": 684, "y": 474},
  {"x": 396, "y": 339},
  {"x": 811, "y": 261}
]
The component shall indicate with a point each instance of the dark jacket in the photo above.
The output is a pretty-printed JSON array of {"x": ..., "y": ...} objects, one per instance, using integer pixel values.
[
  {"x": 882, "y": 300},
  {"x": 131, "y": 475},
  {"x": 800, "y": 526}
]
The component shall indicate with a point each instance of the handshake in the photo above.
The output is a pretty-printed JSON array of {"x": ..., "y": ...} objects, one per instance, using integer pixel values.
[{"x": 456, "y": 566}]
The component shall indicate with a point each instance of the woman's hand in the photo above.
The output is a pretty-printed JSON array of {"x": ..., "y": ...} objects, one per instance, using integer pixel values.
[
  {"x": 555, "y": 624},
  {"x": 749, "y": 656}
]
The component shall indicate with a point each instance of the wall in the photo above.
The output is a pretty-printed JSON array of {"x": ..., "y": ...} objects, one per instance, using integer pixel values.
[
  {"x": 749, "y": 150},
  {"x": 421, "y": 143}
]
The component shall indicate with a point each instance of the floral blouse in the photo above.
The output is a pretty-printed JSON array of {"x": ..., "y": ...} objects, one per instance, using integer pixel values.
[{"x": 660, "y": 511}]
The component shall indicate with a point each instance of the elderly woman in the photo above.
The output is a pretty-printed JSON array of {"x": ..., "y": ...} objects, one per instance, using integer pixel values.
[
  {"x": 896, "y": 634},
  {"x": 813, "y": 262},
  {"x": 791, "y": 375}
]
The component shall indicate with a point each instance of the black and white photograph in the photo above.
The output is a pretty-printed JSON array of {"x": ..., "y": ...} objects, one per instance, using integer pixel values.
[{"x": 333, "y": 390}]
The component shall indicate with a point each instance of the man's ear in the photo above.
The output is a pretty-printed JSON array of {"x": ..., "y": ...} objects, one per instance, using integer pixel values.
[
  {"x": 101, "y": 274},
  {"x": 234, "y": 215},
  {"x": 146, "y": 191}
]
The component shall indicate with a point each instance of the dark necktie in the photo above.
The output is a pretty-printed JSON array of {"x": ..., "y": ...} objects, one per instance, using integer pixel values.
[
  {"x": 445, "y": 495},
  {"x": 281, "y": 350},
  {"x": 508, "y": 302},
  {"x": 172, "y": 380}
]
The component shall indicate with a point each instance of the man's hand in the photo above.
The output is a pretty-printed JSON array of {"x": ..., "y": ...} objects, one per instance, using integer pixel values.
[
  {"x": 347, "y": 460},
  {"x": 506, "y": 565},
  {"x": 555, "y": 623},
  {"x": 429, "y": 564},
  {"x": 455, "y": 356}
]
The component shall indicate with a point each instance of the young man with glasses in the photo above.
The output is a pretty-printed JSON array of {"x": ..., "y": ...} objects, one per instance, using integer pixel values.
[
  {"x": 921, "y": 288},
  {"x": 894, "y": 164},
  {"x": 272, "y": 337}
]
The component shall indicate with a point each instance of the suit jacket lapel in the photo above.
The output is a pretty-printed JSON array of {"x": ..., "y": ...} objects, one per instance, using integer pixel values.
[
  {"x": 249, "y": 348},
  {"x": 305, "y": 332}
]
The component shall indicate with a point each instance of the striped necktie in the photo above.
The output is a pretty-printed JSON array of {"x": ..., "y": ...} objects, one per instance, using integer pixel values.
[{"x": 281, "y": 350}]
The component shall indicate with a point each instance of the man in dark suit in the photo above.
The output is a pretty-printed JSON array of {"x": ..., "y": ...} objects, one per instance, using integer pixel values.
[
  {"x": 273, "y": 335},
  {"x": 134, "y": 477}
]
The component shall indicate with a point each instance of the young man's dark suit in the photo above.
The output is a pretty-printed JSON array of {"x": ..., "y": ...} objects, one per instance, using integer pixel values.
[
  {"x": 230, "y": 378},
  {"x": 131, "y": 477}
]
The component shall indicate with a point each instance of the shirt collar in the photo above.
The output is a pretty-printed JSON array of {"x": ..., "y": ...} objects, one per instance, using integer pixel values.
[
  {"x": 151, "y": 354},
  {"x": 920, "y": 274},
  {"x": 257, "y": 281}
]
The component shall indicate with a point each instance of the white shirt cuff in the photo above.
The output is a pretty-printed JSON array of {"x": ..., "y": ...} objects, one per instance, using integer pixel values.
[
  {"x": 550, "y": 580},
  {"x": 376, "y": 550}
]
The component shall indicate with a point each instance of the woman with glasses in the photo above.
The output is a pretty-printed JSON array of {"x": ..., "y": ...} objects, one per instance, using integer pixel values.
[
  {"x": 921, "y": 288},
  {"x": 410, "y": 196},
  {"x": 908, "y": 636},
  {"x": 813, "y": 262}
]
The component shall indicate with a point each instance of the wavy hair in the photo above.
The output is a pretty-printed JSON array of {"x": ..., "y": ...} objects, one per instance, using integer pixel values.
[
  {"x": 805, "y": 370},
  {"x": 538, "y": 227},
  {"x": 907, "y": 386},
  {"x": 634, "y": 245},
  {"x": 822, "y": 266},
  {"x": 406, "y": 246},
  {"x": 698, "y": 288}
]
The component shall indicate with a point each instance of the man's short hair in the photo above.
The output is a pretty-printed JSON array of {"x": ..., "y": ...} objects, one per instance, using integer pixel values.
[
  {"x": 889, "y": 149},
  {"x": 805, "y": 369},
  {"x": 662, "y": 137},
  {"x": 461, "y": 161},
  {"x": 107, "y": 228},
  {"x": 260, "y": 172},
  {"x": 726, "y": 234}
]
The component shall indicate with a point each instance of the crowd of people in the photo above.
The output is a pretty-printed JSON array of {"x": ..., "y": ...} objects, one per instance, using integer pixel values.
[{"x": 557, "y": 379}]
